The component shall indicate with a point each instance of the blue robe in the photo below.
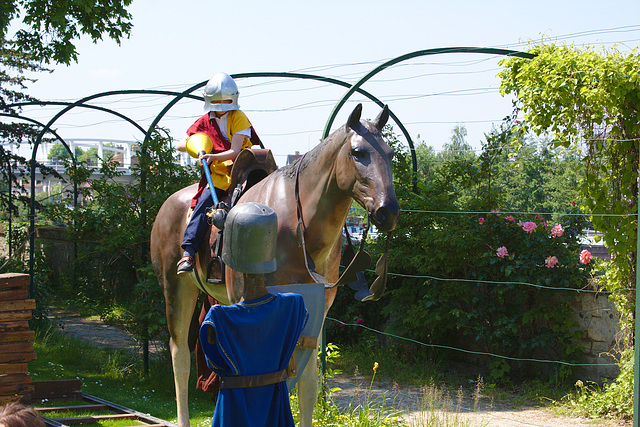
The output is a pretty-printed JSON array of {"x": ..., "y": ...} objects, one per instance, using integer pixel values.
[{"x": 253, "y": 337}]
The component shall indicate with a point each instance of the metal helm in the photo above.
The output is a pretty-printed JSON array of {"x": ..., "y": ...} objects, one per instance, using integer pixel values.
[
  {"x": 249, "y": 242},
  {"x": 221, "y": 87}
]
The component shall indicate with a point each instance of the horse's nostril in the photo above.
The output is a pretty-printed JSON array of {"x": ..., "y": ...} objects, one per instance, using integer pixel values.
[{"x": 381, "y": 215}]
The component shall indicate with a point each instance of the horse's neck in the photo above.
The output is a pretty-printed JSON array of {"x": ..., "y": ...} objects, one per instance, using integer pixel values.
[{"x": 324, "y": 205}]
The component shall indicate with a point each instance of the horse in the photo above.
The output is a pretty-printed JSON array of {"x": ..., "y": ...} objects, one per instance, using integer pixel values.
[{"x": 353, "y": 163}]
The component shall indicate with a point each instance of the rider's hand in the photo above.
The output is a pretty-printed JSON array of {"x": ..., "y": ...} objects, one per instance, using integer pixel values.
[{"x": 208, "y": 157}]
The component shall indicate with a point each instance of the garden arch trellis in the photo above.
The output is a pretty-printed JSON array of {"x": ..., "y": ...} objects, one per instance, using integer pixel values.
[{"x": 352, "y": 88}]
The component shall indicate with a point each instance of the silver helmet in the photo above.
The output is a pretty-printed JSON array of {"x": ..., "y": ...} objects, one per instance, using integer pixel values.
[
  {"x": 249, "y": 242},
  {"x": 221, "y": 94}
]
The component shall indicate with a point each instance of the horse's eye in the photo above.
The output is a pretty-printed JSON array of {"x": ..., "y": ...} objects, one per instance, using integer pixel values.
[{"x": 357, "y": 153}]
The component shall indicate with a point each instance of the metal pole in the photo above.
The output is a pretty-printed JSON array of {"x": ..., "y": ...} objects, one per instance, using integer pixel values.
[
  {"x": 10, "y": 202},
  {"x": 636, "y": 348}
]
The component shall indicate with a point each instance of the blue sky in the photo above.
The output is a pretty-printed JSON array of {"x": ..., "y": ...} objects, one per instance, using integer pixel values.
[{"x": 177, "y": 44}]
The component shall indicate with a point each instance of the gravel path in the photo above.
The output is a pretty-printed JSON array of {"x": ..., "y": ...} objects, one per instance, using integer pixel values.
[
  {"x": 414, "y": 402},
  {"x": 95, "y": 331},
  {"x": 411, "y": 401}
]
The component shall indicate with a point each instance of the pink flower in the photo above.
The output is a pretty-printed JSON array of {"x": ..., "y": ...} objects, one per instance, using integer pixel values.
[
  {"x": 585, "y": 257},
  {"x": 360, "y": 321},
  {"x": 496, "y": 212},
  {"x": 509, "y": 218},
  {"x": 573, "y": 203},
  {"x": 557, "y": 231},
  {"x": 480, "y": 221},
  {"x": 529, "y": 226},
  {"x": 502, "y": 252},
  {"x": 551, "y": 261}
]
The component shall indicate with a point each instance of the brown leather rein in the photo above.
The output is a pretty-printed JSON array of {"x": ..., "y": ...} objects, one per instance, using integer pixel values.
[{"x": 354, "y": 269}]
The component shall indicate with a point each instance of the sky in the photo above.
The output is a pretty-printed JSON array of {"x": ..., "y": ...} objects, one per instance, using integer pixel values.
[{"x": 175, "y": 45}]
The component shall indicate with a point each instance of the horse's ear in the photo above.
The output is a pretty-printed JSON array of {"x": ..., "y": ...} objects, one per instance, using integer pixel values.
[
  {"x": 382, "y": 118},
  {"x": 354, "y": 118}
]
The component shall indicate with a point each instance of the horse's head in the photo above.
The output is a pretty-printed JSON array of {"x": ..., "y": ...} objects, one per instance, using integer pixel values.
[{"x": 364, "y": 169}]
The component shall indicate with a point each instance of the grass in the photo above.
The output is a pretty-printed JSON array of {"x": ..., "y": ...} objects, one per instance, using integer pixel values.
[{"x": 116, "y": 376}]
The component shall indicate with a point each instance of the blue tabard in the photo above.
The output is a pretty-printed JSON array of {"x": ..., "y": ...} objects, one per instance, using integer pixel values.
[{"x": 251, "y": 338}]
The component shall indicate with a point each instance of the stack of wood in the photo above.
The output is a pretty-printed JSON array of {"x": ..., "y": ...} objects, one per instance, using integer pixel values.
[{"x": 16, "y": 340}]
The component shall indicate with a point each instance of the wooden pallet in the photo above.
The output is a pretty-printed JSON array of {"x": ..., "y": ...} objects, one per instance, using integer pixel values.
[
  {"x": 16, "y": 340},
  {"x": 72, "y": 389}
]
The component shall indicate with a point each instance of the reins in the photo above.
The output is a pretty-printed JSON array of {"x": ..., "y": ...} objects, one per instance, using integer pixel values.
[{"x": 353, "y": 274}]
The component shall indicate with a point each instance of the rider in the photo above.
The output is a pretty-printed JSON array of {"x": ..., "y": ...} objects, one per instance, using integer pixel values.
[{"x": 230, "y": 131}]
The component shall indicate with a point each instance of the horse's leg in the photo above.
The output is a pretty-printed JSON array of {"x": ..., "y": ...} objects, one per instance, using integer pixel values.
[{"x": 181, "y": 299}]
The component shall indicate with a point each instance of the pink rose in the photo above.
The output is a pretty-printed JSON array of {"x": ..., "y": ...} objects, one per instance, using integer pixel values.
[
  {"x": 557, "y": 231},
  {"x": 502, "y": 252},
  {"x": 509, "y": 218},
  {"x": 480, "y": 221},
  {"x": 360, "y": 321},
  {"x": 529, "y": 226},
  {"x": 496, "y": 212},
  {"x": 585, "y": 257},
  {"x": 551, "y": 261},
  {"x": 573, "y": 203}
]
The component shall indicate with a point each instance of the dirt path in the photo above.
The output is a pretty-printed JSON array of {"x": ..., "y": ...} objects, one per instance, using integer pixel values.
[
  {"x": 416, "y": 404},
  {"x": 95, "y": 331},
  {"x": 413, "y": 402}
]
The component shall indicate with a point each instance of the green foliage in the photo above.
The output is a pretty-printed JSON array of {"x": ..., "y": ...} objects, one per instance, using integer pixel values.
[
  {"x": 448, "y": 284},
  {"x": 112, "y": 230},
  {"x": 590, "y": 97},
  {"x": 613, "y": 399},
  {"x": 45, "y": 34},
  {"x": 50, "y": 29}
]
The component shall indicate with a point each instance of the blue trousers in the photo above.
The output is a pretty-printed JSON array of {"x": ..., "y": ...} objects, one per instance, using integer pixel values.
[{"x": 197, "y": 227}]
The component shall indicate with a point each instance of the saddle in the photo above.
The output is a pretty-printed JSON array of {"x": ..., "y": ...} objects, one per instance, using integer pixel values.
[{"x": 251, "y": 166}]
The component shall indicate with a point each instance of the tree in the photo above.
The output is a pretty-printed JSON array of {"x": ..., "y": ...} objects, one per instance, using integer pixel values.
[
  {"x": 45, "y": 33},
  {"x": 49, "y": 29},
  {"x": 59, "y": 151},
  {"x": 458, "y": 142}
]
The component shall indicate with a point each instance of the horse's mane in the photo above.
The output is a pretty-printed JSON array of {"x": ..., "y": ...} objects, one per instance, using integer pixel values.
[{"x": 289, "y": 171}]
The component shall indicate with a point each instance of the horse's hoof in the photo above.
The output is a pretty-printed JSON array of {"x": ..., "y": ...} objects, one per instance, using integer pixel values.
[{"x": 185, "y": 265}]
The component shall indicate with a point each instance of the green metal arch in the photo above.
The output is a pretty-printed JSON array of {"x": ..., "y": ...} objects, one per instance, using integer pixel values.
[
  {"x": 301, "y": 76},
  {"x": 356, "y": 86}
]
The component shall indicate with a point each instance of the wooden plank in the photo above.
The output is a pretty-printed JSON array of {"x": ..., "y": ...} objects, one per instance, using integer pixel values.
[
  {"x": 14, "y": 280},
  {"x": 14, "y": 294},
  {"x": 18, "y": 357},
  {"x": 71, "y": 408},
  {"x": 15, "y": 379},
  {"x": 13, "y": 368},
  {"x": 19, "y": 325},
  {"x": 25, "y": 304},
  {"x": 16, "y": 347},
  {"x": 56, "y": 389},
  {"x": 10, "y": 399},
  {"x": 11, "y": 316},
  {"x": 17, "y": 336},
  {"x": 94, "y": 418},
  {"x": 6, "y": 390}
]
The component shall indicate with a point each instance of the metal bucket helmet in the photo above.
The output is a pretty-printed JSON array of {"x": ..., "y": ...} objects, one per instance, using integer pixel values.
[
  {"x": 221, "y": 87},
  {"x": 249, "y": 242}
]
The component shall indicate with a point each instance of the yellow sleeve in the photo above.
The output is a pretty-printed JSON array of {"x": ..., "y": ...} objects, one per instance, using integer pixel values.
[{"x": 237, "y": 122}]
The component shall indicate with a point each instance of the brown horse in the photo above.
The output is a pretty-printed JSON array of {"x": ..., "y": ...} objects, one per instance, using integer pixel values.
[{"x": 353, "y": 163}]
